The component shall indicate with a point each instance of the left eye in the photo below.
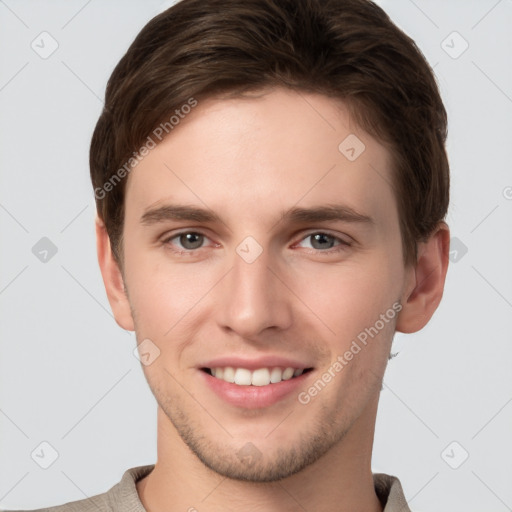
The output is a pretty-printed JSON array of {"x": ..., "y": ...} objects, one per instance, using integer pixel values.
[{"x": 320, "y": 241}]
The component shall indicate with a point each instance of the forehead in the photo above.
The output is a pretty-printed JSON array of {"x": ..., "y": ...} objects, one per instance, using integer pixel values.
[{"x": 250, "y": 157}]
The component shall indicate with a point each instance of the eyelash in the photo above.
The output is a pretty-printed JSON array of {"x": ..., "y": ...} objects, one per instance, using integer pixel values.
[{"x": 342, "y": 245}]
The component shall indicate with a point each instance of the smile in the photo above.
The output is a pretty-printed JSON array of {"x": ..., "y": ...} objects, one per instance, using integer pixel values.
[{"x": 257, "y": 377}]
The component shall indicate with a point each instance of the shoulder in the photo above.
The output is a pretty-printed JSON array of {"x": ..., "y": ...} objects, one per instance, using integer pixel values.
[{"x": 119, "y": 498}]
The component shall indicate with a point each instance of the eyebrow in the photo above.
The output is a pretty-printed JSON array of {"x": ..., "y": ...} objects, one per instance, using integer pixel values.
[{"x": 295, "y": 215}]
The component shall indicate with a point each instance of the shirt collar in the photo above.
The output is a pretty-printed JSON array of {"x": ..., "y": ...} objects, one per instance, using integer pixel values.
[{"x": 125, "y": 496}]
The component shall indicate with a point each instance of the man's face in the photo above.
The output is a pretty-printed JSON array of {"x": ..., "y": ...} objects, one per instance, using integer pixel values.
[{"x": 252, "y": 289}]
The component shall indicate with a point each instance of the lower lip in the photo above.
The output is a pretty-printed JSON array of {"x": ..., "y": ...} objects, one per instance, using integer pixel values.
[{"x": 254, "y": 397}]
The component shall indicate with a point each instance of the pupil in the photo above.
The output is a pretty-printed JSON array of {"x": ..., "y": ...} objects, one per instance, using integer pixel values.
[
  {"x": 187, "y": 240},
  {"x": 322, "y": 237}
]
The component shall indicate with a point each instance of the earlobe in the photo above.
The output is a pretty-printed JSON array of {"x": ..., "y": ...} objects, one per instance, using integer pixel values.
[
  {"x": 424, "y": 290},
  {"x": 113, "y": 279}
]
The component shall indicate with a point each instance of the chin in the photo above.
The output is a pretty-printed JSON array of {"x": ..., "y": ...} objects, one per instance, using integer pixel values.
[{"x": 260, "y": 459}]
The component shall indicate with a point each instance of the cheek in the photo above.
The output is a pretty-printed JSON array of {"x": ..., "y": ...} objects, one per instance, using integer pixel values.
[
  {"x": 167, "y": 298},
  {"x": 350, "y": 297}
]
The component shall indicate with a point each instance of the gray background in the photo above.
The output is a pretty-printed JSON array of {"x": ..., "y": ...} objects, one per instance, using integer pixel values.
[{"x": 67, "y": 372}]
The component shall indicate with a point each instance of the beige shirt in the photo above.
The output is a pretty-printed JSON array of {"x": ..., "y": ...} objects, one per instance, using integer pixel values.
[{"x": 123, "y": 496}]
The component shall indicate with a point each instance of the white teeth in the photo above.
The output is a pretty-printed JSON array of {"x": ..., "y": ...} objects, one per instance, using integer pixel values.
[
  {"x": 288, "y": 373},
  {"x": 243, "y": 377},
  {"x": 228, "y": 374},
  {"x": 259, "y": 377},
  {"x": 276, "y": 375}
]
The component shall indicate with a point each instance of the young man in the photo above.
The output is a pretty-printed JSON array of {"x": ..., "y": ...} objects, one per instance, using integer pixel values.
[{"x": 271, "y": 182}]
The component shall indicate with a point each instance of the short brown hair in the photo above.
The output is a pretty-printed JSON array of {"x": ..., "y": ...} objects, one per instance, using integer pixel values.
[{"x": 345, "y": 49}]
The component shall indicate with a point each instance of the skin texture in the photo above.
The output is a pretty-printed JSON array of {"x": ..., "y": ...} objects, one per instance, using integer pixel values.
[{"x": 249, "y": 160}]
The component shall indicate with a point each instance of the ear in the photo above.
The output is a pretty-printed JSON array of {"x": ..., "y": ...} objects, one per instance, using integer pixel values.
[
  {"x": 113, "y": 279},
  {"x": 425, "y": 281}
]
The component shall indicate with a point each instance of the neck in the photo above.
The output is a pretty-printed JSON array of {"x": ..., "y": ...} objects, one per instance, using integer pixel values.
[{"x": 181, "y": 482}]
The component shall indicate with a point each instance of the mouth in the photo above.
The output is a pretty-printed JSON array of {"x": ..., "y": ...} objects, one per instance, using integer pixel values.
[
  {"x": 255, "y": 383},
  {"x": 259, "y": 377}
]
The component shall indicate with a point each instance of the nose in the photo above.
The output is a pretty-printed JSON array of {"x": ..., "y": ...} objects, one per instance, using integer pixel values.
[{"x": 254, "y": 297}]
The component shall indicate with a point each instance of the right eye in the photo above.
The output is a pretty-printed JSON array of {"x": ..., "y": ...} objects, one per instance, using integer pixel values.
[{"x": 188, "y": 241}]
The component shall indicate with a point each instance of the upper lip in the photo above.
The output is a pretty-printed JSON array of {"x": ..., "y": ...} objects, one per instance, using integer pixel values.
[{"x": 255, "y": 363}]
